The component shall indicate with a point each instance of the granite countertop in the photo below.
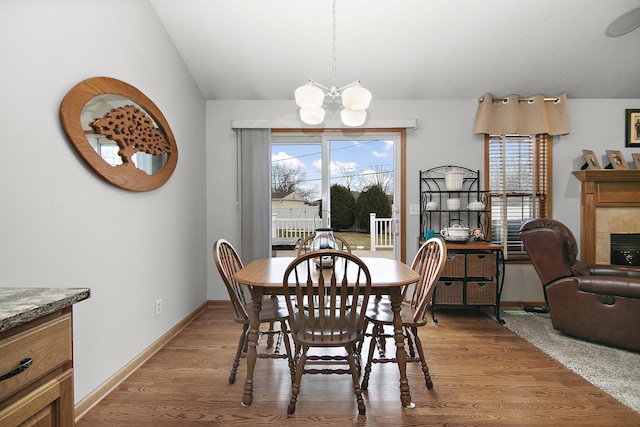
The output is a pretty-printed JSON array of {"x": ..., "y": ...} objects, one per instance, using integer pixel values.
[{"x": 21, "y": 305}]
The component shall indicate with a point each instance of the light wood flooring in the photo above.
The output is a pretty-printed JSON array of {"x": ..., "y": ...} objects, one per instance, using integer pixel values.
[{"x": 483, "y": 375}]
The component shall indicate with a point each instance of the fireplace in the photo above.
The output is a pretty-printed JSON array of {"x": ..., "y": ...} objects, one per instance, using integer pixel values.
[
  {"x": 625, "y": 249},
  {"x": 609, "y": 205}
]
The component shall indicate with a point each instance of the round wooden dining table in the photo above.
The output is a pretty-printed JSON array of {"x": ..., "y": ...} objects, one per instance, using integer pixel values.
[{"x": 265, "y": 277}]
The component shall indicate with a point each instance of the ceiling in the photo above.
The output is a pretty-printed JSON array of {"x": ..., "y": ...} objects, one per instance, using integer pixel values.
[{"x": 406, "y": 49}]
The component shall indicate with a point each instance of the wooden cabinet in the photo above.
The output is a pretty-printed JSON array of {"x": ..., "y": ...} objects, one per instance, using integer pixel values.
[
  {"x": 473, "y": 275},
  {"x": 36, "y": 366}
]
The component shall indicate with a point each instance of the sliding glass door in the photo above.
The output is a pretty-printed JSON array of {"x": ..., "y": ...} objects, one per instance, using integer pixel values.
[{"x": 359, "y": 171}]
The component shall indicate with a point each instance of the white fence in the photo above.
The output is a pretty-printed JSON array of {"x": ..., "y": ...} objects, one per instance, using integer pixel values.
[
  {"x": 291, "y": 227},
  {"x": 381, "y": 232},
  {"x": 381, "y": 229}
]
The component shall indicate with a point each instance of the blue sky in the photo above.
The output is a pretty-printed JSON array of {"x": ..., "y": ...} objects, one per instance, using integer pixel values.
[{"x": 354, "y": 162}]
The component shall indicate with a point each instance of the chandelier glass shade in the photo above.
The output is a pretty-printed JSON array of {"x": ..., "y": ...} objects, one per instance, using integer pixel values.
[
  {"x": 355, "y": 100},
  {"x": 311, "y": 97}
]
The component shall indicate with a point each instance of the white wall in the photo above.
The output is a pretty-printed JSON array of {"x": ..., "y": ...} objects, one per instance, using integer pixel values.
[
  {"x": 444, "y": 136},
  {"x": 62, "y": 225}
]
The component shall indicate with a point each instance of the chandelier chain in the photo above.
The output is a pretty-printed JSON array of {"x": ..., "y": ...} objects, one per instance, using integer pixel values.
[{"x": 333, "y": 70}]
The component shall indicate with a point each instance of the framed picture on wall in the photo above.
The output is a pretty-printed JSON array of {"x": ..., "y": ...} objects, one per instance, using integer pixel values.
[
  {"x": 633, "y": 128},
  {"x": 636, "y": 159},
  {"x": 616, "y": 159},
  {"x": 592, "y": 160}
]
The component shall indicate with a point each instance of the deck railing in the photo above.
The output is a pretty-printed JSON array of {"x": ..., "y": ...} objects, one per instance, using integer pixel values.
[
  {"x": 381, "y": 229},
  {"x": 292, "y": 227},
  {"x": 382, "y": 232}
]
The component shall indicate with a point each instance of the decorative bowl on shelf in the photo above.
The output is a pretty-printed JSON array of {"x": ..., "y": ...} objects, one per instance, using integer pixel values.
[
  {"x": 475, "y": 206},
  {"x": 432, "y": 206},
  {"x": 456, "y": 233},
  {"x": 453, "y": 204},
  {"x": 453, "y": 179}
]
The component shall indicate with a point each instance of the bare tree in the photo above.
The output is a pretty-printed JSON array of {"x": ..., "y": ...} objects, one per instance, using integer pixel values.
[
  {"x": 381, "y": 176},
  {"x": 286, "y": 178},
  {"x": 349, "y": 175}
]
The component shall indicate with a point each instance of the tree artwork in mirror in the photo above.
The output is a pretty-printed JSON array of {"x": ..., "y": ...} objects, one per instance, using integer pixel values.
[{"x": 120, "y": 133}]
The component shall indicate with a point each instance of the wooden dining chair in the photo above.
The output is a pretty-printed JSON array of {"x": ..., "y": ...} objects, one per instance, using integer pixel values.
[
  {"x": 273, "y": 310},
  {"x": 326, "y": 310},
  {"x": 429, "y": 263},
  {"x": 305, "y": 245}
]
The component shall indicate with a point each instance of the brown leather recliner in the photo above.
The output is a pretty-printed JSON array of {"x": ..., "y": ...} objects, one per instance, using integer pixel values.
[{"x": 599, "y": 303}]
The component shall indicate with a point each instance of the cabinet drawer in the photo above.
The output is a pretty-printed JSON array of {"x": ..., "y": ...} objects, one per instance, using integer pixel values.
[
  {"x": 448, "y": 293},
  {"x": 481, "y": 293},
  {"x": 453, "y": 266},
  {"x": 48, "y": 345},
  {"x": 481, "y": 265}
]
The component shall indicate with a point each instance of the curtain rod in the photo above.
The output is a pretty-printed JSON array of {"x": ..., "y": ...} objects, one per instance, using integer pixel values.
[{"x": 529, "y": 100}]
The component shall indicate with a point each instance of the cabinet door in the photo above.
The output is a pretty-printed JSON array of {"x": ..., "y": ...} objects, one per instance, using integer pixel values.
[{"x": 49, "y": 405}]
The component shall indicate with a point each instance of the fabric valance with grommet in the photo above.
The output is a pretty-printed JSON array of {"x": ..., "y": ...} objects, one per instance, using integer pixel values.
[{"x": 515, "y": 115}]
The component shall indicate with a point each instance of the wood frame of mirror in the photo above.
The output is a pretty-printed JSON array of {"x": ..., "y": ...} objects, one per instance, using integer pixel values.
[{"x": 125, "y": 176}]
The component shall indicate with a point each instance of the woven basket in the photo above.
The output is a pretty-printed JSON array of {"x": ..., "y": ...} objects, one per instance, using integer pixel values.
[
  {"x": 481, "y": 265},
  {"x": 448, "y": 293},
  {"x": 454, "y": 265},
  {"x": 481, "y": 293}
]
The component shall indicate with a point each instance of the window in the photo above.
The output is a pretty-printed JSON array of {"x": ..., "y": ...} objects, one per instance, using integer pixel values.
[
  {"x": 313, "y": 162},
  {"x": 518, "y": 178}
]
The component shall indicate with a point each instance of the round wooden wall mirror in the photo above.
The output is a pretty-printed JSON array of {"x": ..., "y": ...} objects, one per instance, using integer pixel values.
[{"x": 120, "y": 133}]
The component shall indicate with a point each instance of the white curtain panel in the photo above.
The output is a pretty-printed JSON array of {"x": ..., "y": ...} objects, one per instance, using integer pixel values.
[{"x": 255, "y": 188}]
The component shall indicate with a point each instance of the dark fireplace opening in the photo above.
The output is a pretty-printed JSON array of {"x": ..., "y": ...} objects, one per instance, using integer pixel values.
[{"x": 625, "y": 249}]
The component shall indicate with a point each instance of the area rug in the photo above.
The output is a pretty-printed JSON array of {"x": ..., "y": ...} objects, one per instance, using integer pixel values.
[{"x": 614, "y": 371}]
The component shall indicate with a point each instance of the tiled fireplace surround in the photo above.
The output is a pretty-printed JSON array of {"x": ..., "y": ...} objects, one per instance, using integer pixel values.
[
  {"x": 610, "y": 203},
  {"x": 613, "y": 220}
]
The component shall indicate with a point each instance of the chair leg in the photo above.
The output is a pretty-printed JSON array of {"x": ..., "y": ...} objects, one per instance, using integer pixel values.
[
  {"x": 270, "y": 335},
  {"x": 295, "y": 387},
  {"x": 364, "y": 335},
  {"x": 411, "y": 351},
  {"x": 287, "y": 347},
  {"x": 381, "y": 342},
  {"x": 372, "y": 347},
  {"x": 280, "y": 335},
  {"x": 356, "y": 384},
  {"x": 423, "y": 360},
  {"x": 241, "y": 348}
]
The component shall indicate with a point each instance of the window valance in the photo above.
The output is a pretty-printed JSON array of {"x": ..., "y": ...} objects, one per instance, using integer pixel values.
[{"x": 514, "y": 115}]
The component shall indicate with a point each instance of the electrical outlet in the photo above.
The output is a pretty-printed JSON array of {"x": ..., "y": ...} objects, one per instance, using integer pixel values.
[
  {"x": 158, "y": 307},
  {"x": 414, "y": 209}
]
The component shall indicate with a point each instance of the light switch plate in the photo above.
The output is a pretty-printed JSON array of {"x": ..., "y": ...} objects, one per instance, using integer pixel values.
[{"x": 414, "y": 209}]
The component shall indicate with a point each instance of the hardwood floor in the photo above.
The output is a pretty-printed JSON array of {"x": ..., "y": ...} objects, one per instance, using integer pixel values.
[{"x": 483, "y": 374}]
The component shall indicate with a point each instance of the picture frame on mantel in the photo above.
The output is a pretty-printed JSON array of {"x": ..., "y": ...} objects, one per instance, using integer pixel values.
[
  {"x": 592, "y": 160},
  {"x": 616, "y": 159},
  {"x": 633, "y": 128}
]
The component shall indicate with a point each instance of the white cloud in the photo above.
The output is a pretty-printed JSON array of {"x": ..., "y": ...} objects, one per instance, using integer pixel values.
[{"x": 287, "y": 160}]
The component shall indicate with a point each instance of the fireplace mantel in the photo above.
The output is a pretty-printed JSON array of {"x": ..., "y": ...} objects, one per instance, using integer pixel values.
[{"x": 603, "y": 188}]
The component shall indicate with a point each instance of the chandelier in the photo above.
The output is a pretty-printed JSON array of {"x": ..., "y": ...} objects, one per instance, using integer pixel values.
[{"x": 355, "y": 98}]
